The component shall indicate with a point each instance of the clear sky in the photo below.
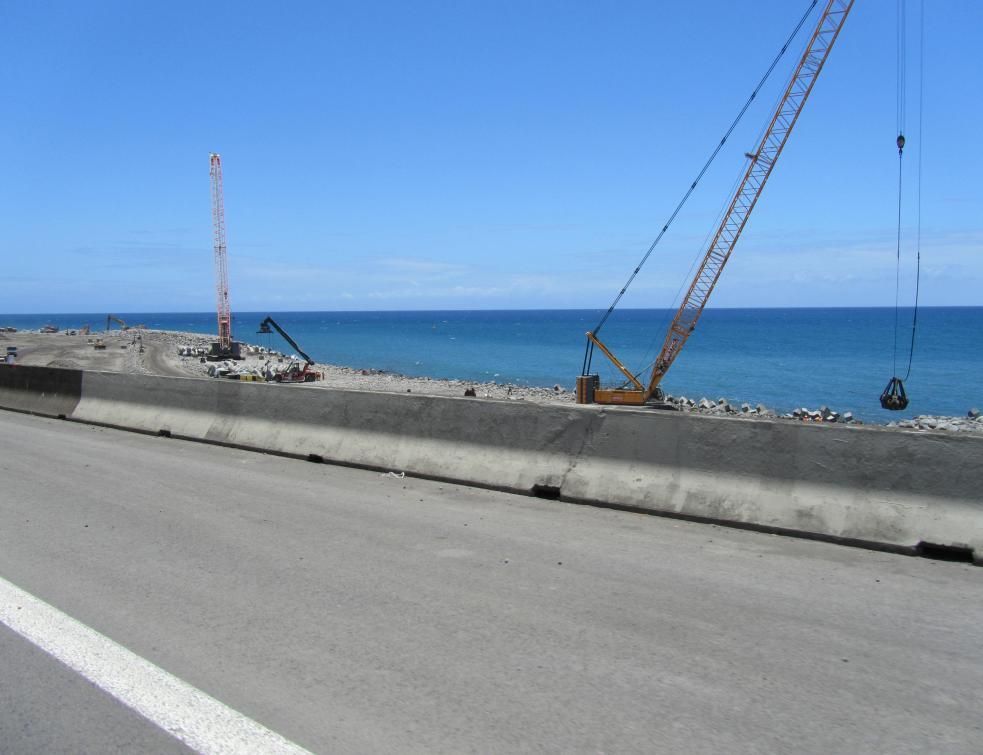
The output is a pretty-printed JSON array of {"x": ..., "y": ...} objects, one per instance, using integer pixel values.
[{"x": 466, "y": 155}]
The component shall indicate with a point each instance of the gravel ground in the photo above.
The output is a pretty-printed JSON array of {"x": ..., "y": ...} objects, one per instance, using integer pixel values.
[{"x": 155, "y": 352}]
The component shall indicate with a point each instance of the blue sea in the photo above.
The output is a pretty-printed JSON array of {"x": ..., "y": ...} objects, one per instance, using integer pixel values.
[{"x": 783, "y": 358}]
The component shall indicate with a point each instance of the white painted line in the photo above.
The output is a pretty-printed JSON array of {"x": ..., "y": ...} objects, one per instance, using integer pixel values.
[{"x": 200, "y": 721}]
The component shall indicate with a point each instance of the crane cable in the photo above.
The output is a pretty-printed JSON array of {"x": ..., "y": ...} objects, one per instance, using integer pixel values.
[
  {"x": 921, "y": 142},
  {"x": 894, "y": 396},
  {"x": 692, "y": 187},
  {"x": 901, "y": 107}
]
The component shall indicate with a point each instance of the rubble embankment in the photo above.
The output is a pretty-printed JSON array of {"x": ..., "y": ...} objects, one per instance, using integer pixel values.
[
  {"x": 972, "y": 422},
  {"x": 725, "y": 408}
]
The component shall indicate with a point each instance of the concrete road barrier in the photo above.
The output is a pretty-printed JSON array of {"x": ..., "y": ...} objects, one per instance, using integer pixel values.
[
  {"x": 867, "y": 485},
  {"x": 40, "y": 390},
  {"x": 504, "y": 445},
  {"x": 863, "y": 484}
]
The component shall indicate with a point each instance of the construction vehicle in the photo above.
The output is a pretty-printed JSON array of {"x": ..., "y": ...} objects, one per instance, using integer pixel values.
[
  {"x": 295, "y": 371},
  {"x": 633, "y": 392},
  {"x": 98, "y": 344},
  {"x": 110, "y": 319},
  {"x": 224, "y": 348}
]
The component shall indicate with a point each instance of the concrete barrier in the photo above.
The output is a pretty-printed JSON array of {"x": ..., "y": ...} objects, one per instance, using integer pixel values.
[
  {"x": 40, "y": 390},
  {"x": 505, "y": 445},
  {"x": 867, "y": 485}
]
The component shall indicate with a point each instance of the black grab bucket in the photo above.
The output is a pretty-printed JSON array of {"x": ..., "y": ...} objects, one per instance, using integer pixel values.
[{"x": 894, "y": 397}]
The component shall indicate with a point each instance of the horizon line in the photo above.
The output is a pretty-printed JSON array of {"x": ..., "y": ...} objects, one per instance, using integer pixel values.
[{"x": 516, "y": 309}]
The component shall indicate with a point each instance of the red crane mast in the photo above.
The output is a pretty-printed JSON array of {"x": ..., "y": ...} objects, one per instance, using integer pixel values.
[{"x": 221, "y": 257}]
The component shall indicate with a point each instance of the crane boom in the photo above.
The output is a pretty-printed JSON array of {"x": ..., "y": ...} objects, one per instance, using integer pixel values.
[
  {"x": 762, "y": 161},
  {"x": 221, "y": 256}
]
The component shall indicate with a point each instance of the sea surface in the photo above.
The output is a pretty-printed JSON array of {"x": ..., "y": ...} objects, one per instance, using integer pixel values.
[{"x": 783, "y": 358}]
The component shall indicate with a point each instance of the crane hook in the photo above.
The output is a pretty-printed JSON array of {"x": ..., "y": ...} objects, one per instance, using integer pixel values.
[{"x": 900, "y": 143}]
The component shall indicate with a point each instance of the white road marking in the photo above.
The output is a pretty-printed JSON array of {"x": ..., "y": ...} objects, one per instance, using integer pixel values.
[{"x": 188, "y": 714}]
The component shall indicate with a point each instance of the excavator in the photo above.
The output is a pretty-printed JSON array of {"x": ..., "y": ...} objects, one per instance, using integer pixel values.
[
  {"x": 761, "y": 162},
  {"x": 295, "y": 372},
  {"x": 110, "y": 319}
]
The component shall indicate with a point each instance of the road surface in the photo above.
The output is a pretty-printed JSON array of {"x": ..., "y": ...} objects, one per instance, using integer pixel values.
[{"x": 353, "y": 611}]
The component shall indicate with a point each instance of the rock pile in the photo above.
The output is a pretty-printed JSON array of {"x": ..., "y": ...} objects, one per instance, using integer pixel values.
[
  {"x": 823, "y": 414},
  {"x": 234, "y": 370},
  {"x": 720, "y": 406},
  {"x": 972, "y": 423},
  {"x": 724, "y": 407}
]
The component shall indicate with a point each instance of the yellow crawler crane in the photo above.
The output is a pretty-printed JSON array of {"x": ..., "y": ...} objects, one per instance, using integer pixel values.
[{"x": 762, "y": 161}]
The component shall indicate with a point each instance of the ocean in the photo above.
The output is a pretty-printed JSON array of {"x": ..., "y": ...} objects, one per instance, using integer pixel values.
[{"x": 783, "y": 358}]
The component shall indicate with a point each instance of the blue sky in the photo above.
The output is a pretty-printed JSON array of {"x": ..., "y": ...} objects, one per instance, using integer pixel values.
[{"x": 439, "y": 155}]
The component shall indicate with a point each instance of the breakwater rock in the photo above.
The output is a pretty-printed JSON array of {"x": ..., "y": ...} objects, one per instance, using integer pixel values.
[
  {"x": 973, "y": 423},
  {"x": 724, "y": 407}
]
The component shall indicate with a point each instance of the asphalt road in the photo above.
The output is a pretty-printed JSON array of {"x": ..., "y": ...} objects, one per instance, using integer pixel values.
[
  {"x": 352, "y": 611},
  {"x": 48, "y": 708}
]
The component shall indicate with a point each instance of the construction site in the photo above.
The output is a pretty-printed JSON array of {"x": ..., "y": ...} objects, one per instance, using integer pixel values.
[
  {"x": 226, "y": 357},
  {"x": 133, "y": 348},
  {"x": 265, "y": 528}
]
